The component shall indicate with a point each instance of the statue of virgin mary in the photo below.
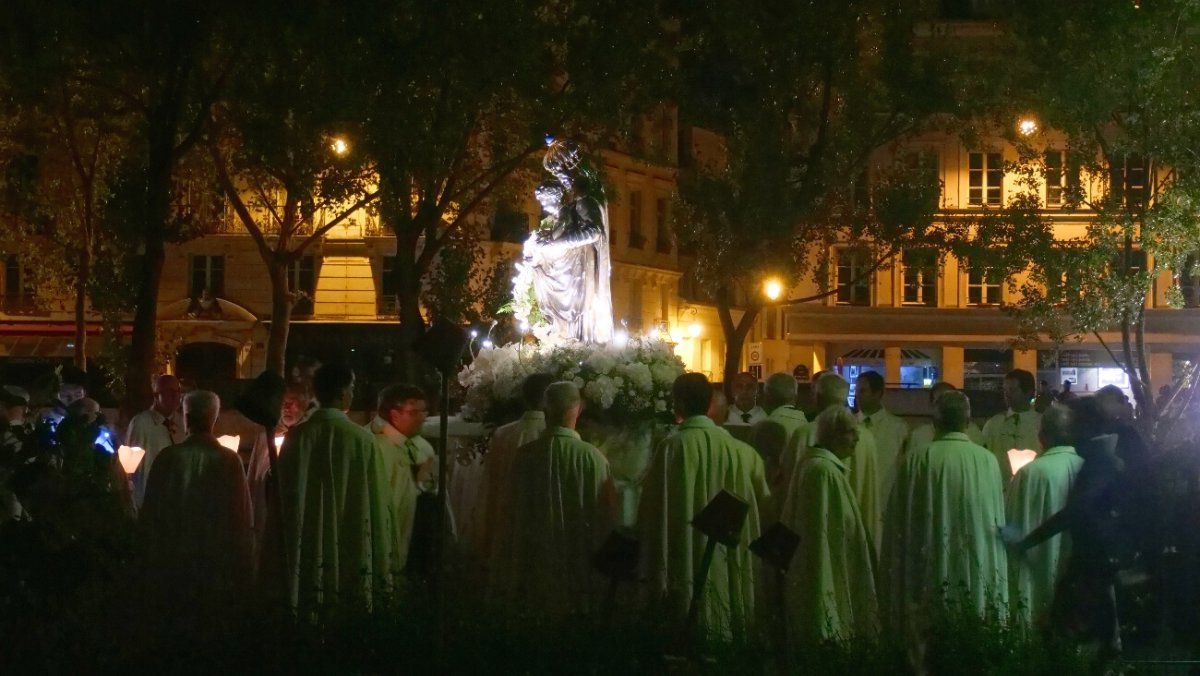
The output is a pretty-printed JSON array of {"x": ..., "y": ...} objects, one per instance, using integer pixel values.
[{"x": 568, "y": 254}]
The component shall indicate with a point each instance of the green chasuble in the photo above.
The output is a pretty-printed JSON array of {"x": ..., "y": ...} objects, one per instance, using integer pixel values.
[
  {"x": 337, "y": 521},
  {"x": 689, "y": 468},
  {"x": 831, "y": 582},
  {"x": 1011, "y": 430},
  {"x": 770, "y": 438},
  {"x": 863, "y": 465},
  {"x": 941, "y": 539},
  {"x": 1039, "y": 491},
  {"x": 563, "y": 506}
]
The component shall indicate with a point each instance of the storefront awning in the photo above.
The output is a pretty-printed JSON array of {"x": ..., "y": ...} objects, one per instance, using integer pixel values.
[{"x": 876, "y": 354}]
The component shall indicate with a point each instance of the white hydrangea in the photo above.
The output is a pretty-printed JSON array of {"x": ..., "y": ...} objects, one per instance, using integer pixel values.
[{"x": 602, "y": 391}]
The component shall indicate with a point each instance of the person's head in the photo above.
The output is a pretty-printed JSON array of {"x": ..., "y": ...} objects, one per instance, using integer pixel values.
[
  {"x": 939, "y": 388},
  {"x": 167, "y": 394},
  {"x": 868, "y": 391},
  {"x": 692, "y": 393},
  {"x": 563, "y": 404},
  {"x": 745, "y": 391},
  {"x": 1089, "y": 421},
  {"x": 16, "y": 404},
  {"x": 832, "y": 390},
  {"x": 718, "y": 408},
  {"x": 333, "y": 386},
  {"x": 952, "y": 412},
  {"x": 72, "y": 385},
  {"x": 837, "y": 431},
  {"x": 779, "y": 390},
  {"x": 533, "y": 390},
  {"x": 85, "y": 411},
  {"x": 1057, "y": 427},
  {"x": 1019, "y": 388},
  {"x": 404, "y": 407},
  {"x": 550, "y": 195},
  {"x": 1066, "y": 386},
  {"x": 1113, "y": 402},
  {"x": 294, "y": 404},
  {"x": 200, "y": 410}
]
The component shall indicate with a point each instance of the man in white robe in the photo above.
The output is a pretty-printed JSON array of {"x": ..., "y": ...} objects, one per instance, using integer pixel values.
[
  {"x": 688, "y": 470},
  {"x": 154, "y": 429},
  {"x": 196, "y": 516},
  {"x": 831, "y": 582},
  {"x": 923, "y": 435},
  {"x": 497, "y": 464},
  {"x": 889, "y": 430},
  {"x": 941, "y": 541},
  {"x": 1017, "y": 428},
  {"x": 563, "y": 506},
  {"x": 338, "y": 521},
  {"x": 832, "y": 390},
  {"x": 745, "y": 409},
  {"x": 1039, "y": 491},
  {"x": 399, "y": 414}
]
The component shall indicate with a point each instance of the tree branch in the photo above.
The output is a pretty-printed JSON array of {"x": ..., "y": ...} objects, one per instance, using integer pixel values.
[
  {"x": 239, "y": 207},
  {"x": 323, "y": 230}
]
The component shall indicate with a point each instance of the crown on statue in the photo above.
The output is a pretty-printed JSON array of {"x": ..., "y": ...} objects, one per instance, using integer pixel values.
[{"x": 561, "y": 155}]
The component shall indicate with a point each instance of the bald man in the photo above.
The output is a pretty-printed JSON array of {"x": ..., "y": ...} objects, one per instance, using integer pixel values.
[
  {"x": 196, "y": 519},
  {"x": 154, "y": 429}
]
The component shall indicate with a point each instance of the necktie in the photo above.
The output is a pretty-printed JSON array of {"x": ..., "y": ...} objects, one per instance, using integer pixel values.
[
  {"x": 170, "y": 425},
  {"x": 746, "y": 418}
]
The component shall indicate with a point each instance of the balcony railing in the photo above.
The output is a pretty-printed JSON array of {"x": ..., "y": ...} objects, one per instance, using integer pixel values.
[{"x": 357, "y": 226}]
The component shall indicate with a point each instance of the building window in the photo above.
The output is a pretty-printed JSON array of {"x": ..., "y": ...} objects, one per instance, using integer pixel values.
[
  {"x": 1189, "y": 281},
  {"x": 636, "y": 240},
  {"x": 302, "y": 280},
  {"x": 663, "y": 230},
  {"x": 1129, "y": 183},
  {"x": 985, "y": 175},
  {"x": 388, "y": 288},
  {"x": 1055, "y": 177},
  {"x": 983, "y": 285},
  {"x": 208, "y": 274},
  {"x": 18, "y": 287},
  {"x": 920, "y": 277},
  {"x": 853, "y": 279}
]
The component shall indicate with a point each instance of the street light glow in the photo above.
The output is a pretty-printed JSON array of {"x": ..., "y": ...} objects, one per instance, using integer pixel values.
[
  {"x": 1027, "y": 126},
  {"x": 339, "y": 146},
  {"x": 773, "y": 289}
]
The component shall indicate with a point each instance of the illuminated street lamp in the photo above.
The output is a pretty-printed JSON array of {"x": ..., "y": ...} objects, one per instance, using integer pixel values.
[
  {"x": 773, "y": 289},
  {"x": 339, "y": 146},
  {"x": 1027, "y": 126}
]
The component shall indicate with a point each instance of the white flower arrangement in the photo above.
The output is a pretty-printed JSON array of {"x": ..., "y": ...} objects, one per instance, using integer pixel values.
[{"x": 632, "y": 382}]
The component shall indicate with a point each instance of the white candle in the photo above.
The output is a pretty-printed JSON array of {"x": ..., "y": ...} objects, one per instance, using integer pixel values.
[
  {"x": 130, "y": 457},
  {"x": 1018, "y": 458},
  {"x": 230, "y": 441}
]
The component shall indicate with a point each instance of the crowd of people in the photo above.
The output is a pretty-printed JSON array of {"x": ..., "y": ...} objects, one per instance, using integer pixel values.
[{"x": 895, "y": 523}]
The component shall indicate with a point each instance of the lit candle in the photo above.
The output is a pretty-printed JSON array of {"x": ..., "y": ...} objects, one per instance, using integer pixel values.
[
  {"x": 230, "y": 441},
  {"x": 1018, "y": 458},
  {"x": 130, "y": 457},
  {"x": 279, "y": 442}
]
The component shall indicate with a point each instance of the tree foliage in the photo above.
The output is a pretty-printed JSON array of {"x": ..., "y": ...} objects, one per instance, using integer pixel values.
[
  {"x": 1116, "y": 79},
  {"x": 802, "y": 94}
]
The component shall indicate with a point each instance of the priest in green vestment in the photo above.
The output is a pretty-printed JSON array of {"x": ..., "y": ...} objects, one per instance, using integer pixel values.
[
  {"x": 400, "y": 412},
  {"x": 941, "y": 540},
  {"x": 688, "y": 470},
  {"x": 1017, "y": 428},
  {"x": 1039, "y": 491},
  {"x": 338, "y": 521},
  {"x": 831, "y": 582},
  {"x": 832, "y": 390},
  {"x": 197, "y": 519},
  {"x": 770, "y": 437},
  {"x": 563, "y": 506}
]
